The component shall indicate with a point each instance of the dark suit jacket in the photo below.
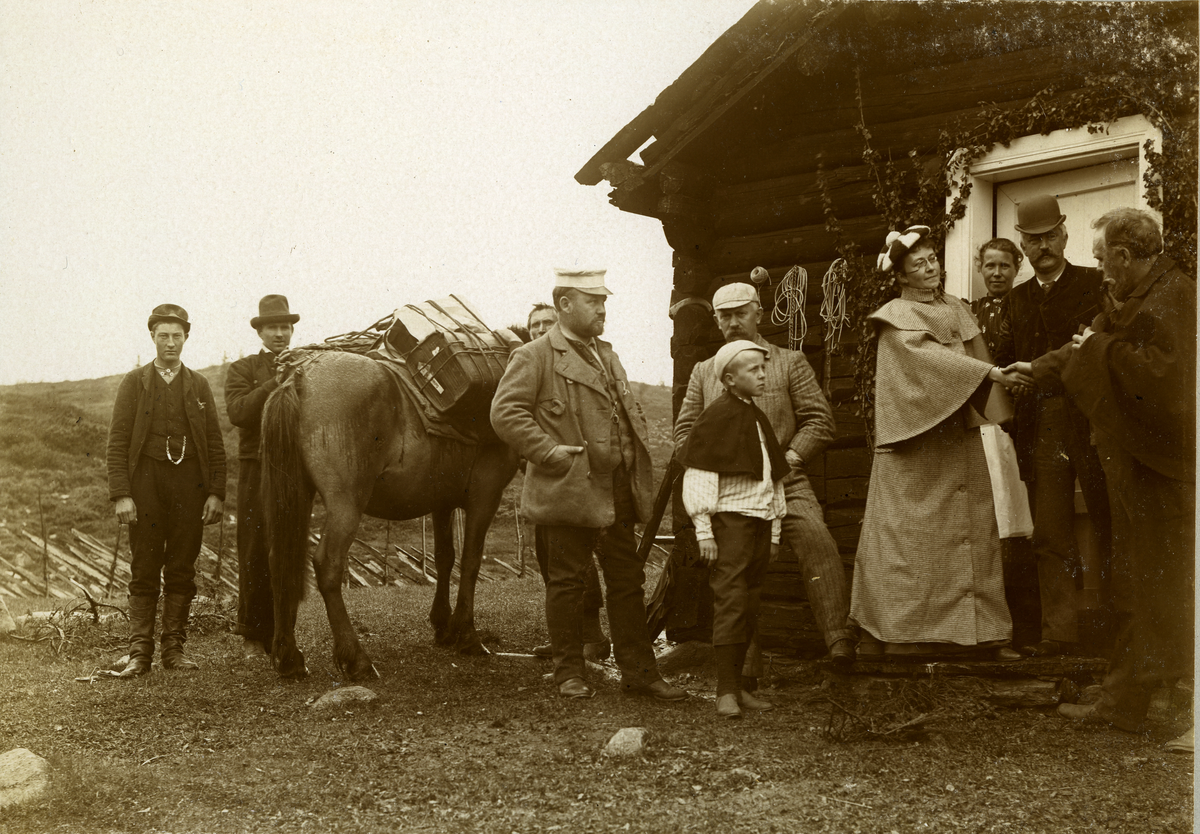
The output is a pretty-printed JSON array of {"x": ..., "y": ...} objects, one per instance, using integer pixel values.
[
  {"x": 131, "y": 424},
  {"x": 1135, "y": 378},
  {"x": 248, "y": 384},
  {"x": 1035, "y": 323}
]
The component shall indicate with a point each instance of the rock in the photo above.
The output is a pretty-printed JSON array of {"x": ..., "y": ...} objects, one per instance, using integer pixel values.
[
  {"x": 24, "y": 776},
  {"x": 739, "y": 777},
  {"x": 628, "y": 741},
  {"x": 7, "y": 624},
  {"x": 343, "y": 696}
]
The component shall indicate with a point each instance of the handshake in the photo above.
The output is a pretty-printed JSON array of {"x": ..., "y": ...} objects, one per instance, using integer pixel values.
[{"x": 1017, "y": 377}]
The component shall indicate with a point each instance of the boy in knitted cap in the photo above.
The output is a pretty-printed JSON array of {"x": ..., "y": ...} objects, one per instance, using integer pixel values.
[{"x": 733, "y": 491}]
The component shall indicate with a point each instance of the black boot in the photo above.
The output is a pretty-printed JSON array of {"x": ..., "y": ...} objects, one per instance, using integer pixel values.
[
  {"x": 142, "y": 610},
  {"x": 174, "y": 632}
]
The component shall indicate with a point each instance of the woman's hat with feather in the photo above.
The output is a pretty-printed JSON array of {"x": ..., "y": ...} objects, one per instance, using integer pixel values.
[{"x": 898, "y": 245}]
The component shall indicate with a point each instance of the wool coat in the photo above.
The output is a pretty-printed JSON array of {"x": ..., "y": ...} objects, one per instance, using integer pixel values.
[
  {"x": 1135, "y": 379},
  {"x": 1035, "y": 322},
  {"x": 249, "y": 382},
  {"x": 130, "y": 425},
  {"x": 928, "y": 566},
  {"x": 550, "y": 396}
]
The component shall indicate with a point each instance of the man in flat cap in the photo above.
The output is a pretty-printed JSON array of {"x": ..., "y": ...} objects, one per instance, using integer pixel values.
[
  {"x": 565, "y": 405},
  {"x": 166, "y": 477},
  {"x": 248, "y": 384},
  {"x": 803, "y": 422},
  {"x": 1052, "y": 436}
]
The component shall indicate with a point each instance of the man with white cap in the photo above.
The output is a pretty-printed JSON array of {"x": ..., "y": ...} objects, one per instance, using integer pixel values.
[
  {"x": 1051, "y": 434},
  {"x": 565, "y": 405},
  {"x": 804, "y": 426}
]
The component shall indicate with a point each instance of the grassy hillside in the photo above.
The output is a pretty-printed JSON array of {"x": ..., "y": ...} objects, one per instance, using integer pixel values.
[{"x": 52, "y": 464}]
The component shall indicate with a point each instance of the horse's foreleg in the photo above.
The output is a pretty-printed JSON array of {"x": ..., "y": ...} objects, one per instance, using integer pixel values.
[
  {"x": 341, "y": 521},
  {"x": 443, "y": 557}
]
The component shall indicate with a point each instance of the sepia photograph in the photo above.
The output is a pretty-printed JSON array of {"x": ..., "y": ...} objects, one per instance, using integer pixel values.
[{"x": 674, "y": 416}]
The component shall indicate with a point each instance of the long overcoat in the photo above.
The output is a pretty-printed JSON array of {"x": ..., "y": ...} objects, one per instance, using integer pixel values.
[
  {"x": 249, "y": 382},
  {"x": 131, "y": 424},
  {"x": 549, "y": 396}
]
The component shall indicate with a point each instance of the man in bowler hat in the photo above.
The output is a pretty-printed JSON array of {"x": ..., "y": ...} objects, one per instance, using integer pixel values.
[
  {"x": 565, "y": 405},
  {"x": 1052, "y": 436},
  {"x": 248, "y": 384},
  {"x": 166, "y": 479}
]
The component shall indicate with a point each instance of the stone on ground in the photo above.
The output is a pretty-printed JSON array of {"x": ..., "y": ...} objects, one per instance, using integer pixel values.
[
  {"x": 344, "y": 695},
  {"x": 628, "y": 741},
  {"x": 24, "y": 776}
]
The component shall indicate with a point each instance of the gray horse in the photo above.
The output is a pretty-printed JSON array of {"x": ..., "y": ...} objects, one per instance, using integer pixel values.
[{"x": 341, "y": 427}]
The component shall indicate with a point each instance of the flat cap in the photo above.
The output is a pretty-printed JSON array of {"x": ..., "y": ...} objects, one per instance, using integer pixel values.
[
  {"x": 734, "y": 295},
  {"x": 731, "y": 349},
  {"x": 590, "y": 281}
]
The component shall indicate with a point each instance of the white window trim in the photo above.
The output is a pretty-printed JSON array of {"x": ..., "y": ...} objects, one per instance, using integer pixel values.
[{"x": 1032, "y": 156}]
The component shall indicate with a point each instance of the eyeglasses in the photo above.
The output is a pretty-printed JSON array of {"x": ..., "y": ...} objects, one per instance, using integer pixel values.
[{"x": 923, "y": 264}]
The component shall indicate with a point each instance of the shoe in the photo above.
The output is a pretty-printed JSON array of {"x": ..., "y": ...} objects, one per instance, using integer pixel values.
[
  {"x": 1186, "y": 743},
  {"x": 727, "y": 706},
  {"x": 745, "y": 699},
  {"x": 575, "y": 688},
  {"x": 842, "y": 653},
  {"x": 659, "y": 690},
  {"x": 1051, "y": 648},
  {"x": 142, "y": 612},
  {"x": 597, "y": 651},
  {"x": 543, "y": 651},
  {"x": 1006, "y": 654}
]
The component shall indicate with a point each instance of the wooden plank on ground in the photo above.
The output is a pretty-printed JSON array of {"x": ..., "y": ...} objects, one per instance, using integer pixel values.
[{"x": 35, "y": 581}]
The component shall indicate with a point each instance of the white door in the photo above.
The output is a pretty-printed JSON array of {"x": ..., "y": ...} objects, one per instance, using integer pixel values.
[{"x": 1084, "y": 194}]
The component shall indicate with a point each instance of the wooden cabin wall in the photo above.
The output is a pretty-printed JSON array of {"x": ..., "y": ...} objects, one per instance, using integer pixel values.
[{"x": 749, "y": 196}]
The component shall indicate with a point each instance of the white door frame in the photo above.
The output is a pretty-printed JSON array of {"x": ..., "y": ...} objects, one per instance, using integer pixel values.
[{"x": 1032, "y": 156}]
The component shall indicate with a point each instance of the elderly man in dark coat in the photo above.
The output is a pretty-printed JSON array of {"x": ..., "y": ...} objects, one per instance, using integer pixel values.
[
  {"x": 1133, "y": 373},
  {"x": 166, "y": 478},
  {"x": 1050, "y": 433},
  {"x": 564, "y": 404},
  {"x": 247, "y": 385}
]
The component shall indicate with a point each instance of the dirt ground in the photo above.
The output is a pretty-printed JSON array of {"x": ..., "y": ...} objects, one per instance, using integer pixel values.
[{"x": 481, "y": 744}]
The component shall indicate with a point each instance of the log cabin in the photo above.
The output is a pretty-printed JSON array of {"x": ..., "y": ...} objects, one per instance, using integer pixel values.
[{"x": 785, "y": 144}]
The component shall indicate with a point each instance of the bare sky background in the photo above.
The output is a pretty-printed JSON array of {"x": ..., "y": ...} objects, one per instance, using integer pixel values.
[{"x": 354, "y": 156}]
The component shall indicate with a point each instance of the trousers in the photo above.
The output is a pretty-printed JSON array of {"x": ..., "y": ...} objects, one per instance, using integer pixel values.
[
  {"x": 743, "y": 553},
  {"x": 805, "y": 533},
  {"x": 563, "y": 553},
  {"x": 166, "y": 538},
  {"x": 1063, "y": 451},
  {"x": 256, "y": 605}
]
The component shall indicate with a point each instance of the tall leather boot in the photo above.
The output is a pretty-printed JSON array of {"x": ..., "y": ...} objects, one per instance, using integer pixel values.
[
  {"x": 142, "y": 610},
  {"x": 174, "y": 632}
]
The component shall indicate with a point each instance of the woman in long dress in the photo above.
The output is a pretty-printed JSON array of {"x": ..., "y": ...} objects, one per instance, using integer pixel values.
[{"x": 928, "y": 578}]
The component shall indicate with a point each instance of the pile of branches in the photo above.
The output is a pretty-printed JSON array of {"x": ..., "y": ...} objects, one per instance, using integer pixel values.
[
  {"x": 356, "y": 341},
  {"x": 905, "y": 714}
]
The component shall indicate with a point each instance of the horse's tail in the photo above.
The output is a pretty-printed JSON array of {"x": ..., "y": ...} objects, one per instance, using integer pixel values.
[{"x": 286, "y": 493}]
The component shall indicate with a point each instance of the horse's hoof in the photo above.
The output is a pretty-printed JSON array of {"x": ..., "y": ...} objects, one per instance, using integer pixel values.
[
  {"x": 291, "y": 666},
  {"x": 471, "y": 647}
]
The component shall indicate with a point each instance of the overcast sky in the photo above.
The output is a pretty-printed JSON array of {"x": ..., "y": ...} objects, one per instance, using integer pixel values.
[{"x": 354, "y": 156}]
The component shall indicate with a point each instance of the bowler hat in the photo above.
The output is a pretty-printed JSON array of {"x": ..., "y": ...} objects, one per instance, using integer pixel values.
[
  {"x": 1039, "y": 214},
  {"x": 169, "y": 312},
  {"x": 734, "y": 295},
  {"x": 590, "y": 281},
  {"x": 272, "y": 309}
]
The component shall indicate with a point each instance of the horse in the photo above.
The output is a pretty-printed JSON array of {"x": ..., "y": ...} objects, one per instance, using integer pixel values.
[{"x": 340, "y": 426}]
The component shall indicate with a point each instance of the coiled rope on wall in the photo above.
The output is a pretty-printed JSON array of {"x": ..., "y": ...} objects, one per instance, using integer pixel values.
[{"x": 789, "y": 305}]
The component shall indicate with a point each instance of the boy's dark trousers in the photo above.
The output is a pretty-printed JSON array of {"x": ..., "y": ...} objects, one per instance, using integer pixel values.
[{"x": 743, "y": 553}]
